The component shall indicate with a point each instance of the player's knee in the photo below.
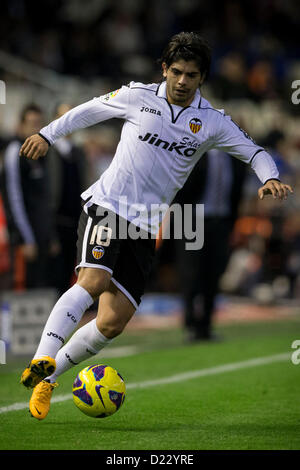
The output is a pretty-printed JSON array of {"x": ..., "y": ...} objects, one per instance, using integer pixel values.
[
  {"x": 95, "y": 281},
  {"x": 110, "y": 329}
]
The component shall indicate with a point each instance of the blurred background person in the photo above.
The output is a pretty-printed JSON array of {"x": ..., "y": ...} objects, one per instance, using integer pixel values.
[
  {"x": 216, "y": 182},
  {"x": 230, "y": 82},
  {"x": 67, "y": 172},
  {"x": 26, "y": 199},
  {"x": 99, "y": 147},
  {"x": 265, "y": 258}
]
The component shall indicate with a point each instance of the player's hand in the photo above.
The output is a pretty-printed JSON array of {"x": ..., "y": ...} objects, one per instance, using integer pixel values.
[
  {"x": 276, "y": 188},
  {"x": 30, "y": 251},
  {"x": 34, "y": 147}
]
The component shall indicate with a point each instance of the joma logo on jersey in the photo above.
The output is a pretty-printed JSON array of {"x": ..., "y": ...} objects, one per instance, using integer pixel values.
[
  {"x": 180, "y": 148},
  {"x": 150, "y": 110}
]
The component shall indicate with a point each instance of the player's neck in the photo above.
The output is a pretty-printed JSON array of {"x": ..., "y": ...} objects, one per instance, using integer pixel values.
[{"x": 180, "y": 103}]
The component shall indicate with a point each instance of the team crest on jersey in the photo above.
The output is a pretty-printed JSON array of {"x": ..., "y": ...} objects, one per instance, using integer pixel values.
[
  {"x": 111, "y": 94},
  {"x": 195, "y": 125},
  {"x": 98, "y": 252}
]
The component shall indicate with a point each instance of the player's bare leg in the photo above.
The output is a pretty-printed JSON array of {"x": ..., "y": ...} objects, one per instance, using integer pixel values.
[
  {"x": 62, "y": 321},
  {"x": 94, "y": 281},
  {"x": 115, "y": 310},
  {"x": 86, "y": 341}
]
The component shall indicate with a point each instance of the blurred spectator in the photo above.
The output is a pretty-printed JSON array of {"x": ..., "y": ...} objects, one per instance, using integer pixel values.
[
  {"x": 231, "y": 80},
  {"x": 4, "y": 251},
  {"x": 135, "y": 27},
  {"x": 3, "y": 143},
  {"x": 276, "y": 144},
  {"x": 68, "y": 177},
  {"x": 48, "y": 51},
  {"x": 262, "y": 81},
  {"x": 265, "y": 263},
  {"x": 291, "y": 234},
  {"x": 99, "y": 147},
  {"x": 25, "y": 184},
  {"x": 216, "y": 182},
  {"x": 250, "y": 238}
]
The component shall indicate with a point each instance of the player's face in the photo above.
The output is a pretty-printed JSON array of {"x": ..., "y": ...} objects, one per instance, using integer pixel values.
[{"x": 182, "y": 78}]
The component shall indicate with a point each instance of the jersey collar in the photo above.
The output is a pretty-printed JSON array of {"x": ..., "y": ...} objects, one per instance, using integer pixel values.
[{"x": 161, "y": 92}]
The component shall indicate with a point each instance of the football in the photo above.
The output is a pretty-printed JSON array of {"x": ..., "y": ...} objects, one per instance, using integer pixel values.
[{"x": 99, "y": 391}]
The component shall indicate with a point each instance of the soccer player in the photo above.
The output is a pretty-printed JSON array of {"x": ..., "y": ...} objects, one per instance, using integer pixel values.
[{"x": 168, "y": 127}]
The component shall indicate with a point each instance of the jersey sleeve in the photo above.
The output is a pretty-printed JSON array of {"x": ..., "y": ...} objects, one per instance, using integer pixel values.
[
  {"x": 232, "y": 139},
  {"x": 102, "y": 108}
]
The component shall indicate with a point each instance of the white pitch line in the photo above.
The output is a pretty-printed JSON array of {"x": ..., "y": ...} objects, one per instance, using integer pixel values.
[
  {"x": 193, "y": 374},
  {"x": 120, "y": 351}
]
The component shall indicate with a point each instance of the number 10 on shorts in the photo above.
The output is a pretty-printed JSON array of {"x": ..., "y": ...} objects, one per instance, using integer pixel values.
[{"x": 101, "y": 235}]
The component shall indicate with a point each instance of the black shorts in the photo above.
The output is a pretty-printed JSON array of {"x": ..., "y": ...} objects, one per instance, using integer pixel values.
[{"x": 101, "y": 246}]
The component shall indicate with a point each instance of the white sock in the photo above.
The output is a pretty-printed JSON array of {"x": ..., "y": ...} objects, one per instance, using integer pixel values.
[
  {"x": 63, "y": 320},
  {"x": 85, "y": 343}
]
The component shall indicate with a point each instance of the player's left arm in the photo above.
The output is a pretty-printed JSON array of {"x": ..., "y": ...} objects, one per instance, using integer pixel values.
[{"x": 232, "y": 139}]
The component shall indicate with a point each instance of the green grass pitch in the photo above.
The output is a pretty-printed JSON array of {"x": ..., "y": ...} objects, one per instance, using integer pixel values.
[{"x": 250, "y": 407}]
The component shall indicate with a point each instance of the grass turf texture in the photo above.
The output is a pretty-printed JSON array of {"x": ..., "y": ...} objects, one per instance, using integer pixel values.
[{"x": 251, "y": 408}]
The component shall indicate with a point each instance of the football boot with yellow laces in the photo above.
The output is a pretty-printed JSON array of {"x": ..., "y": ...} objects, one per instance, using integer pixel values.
[{"x": 38, "y": 370}]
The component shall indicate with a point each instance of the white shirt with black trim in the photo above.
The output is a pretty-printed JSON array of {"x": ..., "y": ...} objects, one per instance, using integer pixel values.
[{"x": 159, "y": 146}]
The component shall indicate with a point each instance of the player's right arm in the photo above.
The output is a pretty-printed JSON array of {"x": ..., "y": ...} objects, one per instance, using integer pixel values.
[{"x": 112, "y": 105}]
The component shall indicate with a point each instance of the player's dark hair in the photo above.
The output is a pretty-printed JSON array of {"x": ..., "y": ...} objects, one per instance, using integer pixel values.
[
  {"x": 188, "y": 46},
  {"x": 31, "y": 107}
]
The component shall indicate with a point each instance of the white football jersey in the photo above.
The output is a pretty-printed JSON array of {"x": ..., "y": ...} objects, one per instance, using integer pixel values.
[{"x": 159, "y": 146}]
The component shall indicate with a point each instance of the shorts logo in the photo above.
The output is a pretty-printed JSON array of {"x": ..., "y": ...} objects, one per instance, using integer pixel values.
[
  {"x": 195, "y": 125},
  {"x": 98, "y": 252}
]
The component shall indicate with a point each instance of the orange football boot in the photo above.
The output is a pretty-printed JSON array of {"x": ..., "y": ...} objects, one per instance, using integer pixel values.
[
  {"x": 37, "y": 370},
  {"x": 39, "y": 404}
]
